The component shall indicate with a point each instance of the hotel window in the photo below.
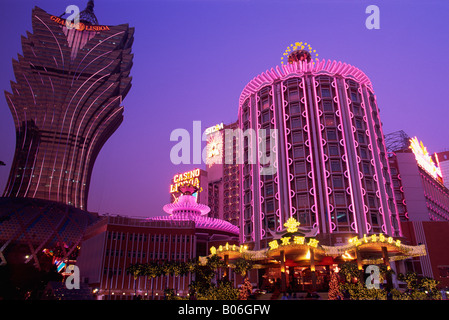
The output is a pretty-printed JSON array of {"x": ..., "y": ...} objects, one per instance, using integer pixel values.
[
  {"x": 354, "y": 96},
  {"x": 342, "y": 217},
  {"x": 298, "y": 152},
  {"x": 325, "y": 92},
  {"x": 297, "y": 137},
  {"x": 302, "y": 201},
  {"x": 269, "y": 190},
  {"x": 301, "y": 184},
  {"x": 361, "y": 138},
  {"x": 329, "y": 121},
  {"x": 374, "y": 218},
  {"x": 335, "y": 166},
  {"x": 296, "y": 123},
  {"x": 366, "y": 169},
  {"x": 369, "y": 184},
  {"x": 331, "y": 135},
  {"x": 337, "y": 182},
  {"x": 265, "y": 103},
  {"x": 265, "y": 117},
  {"x": 358, "y": 124},
  {"x": 396, "y": 183},
  {"x": 340, "y": 199},
  {"x": 247, "y": 212},
  {"x": 294, "y": 108},
  {"x": 327, "y": 106},
  {"x": 300, "y": 167},
  {"x": 293, "y": 95},
  {"x": 270, "y": 206},
  {"x": 363, "y": 153},
  {"x": 356, "y": 110},
  {"x": 333, "y": 150},
  {"x": 271, "y": 223},
  {"x": 371, "y": 202}
]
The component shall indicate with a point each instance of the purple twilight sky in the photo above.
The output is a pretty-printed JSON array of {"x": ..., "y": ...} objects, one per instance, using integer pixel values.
[{"x": 192, "y": 58}]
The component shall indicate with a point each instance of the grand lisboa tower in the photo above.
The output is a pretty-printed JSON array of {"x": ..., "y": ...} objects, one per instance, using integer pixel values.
[
  {"x": 66, "y": 102},
  {"x": 331, "y": 162}
]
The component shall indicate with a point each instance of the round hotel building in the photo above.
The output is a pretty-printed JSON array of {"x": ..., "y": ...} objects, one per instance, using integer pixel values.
[{"x": 331, "y": 166}]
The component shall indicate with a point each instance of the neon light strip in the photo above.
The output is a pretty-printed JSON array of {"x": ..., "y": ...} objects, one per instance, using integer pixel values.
[
  {"x": 389, "y": 173},
  {"x": 285, "y": 118},
  {"x": 257, "y": 166},
  {"x": 303, "y": 81},
  {"x": 366, "y": 209},
  {"x": 333, "y": 68},
  {"x": 351, "y": 188},
  {"x": 323, "y": 163},
  {"x": 373, "y": 153}
]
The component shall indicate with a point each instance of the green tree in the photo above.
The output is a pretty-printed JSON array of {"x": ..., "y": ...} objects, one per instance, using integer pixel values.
[
  {"x": 242, "y": 266},
  {"x": 152, "y": 271},
  {"x": 136, "y": 269},
  {"x": 349, "y": 271}
]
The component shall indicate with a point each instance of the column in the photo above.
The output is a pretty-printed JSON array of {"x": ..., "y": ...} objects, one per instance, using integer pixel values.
[
  {"x": 312, "y": 268},
  {"x": 387, "y": 263},
  {"x": 283, "y": 278}
]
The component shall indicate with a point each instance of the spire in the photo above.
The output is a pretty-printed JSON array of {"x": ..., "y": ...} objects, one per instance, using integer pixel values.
[{"x": 88, "y": 15}]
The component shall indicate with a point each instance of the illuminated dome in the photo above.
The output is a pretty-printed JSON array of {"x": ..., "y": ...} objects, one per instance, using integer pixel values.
[
  {"x": 186, "y": 206},
  {"x": 299, "y": 55}
]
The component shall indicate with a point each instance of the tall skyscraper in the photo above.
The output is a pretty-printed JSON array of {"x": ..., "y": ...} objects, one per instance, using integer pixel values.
[
  {"x": 223, "y": 177},
  {"x": 331, "y": 163},
  {"x": 66, "y": 102}
]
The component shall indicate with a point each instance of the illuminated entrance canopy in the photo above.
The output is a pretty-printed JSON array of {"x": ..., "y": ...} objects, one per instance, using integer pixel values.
[
  {"x": 424, "y": 159},
  {"x": 302, "y": 250}
]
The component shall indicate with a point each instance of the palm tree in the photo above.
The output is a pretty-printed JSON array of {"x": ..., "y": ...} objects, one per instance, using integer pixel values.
[
  {"x": 215, "y": 262},
  {"x": 242, "y": 266},
  {"x": 166, "y": 270},
  {"x": 152, "y": 270},
  {"x": 136, "y": 269}
]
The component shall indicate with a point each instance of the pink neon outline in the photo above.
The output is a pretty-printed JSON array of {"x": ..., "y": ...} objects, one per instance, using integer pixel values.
[
  {"x": 288, "y": 159},
  {"x": 258, "y": 113},
  {"x": 285, "y": 71},
  {"x": 317, "y": 220},
  {"x": 388, "y": 169},
  {"x": 339, "y": 115},
  {"x": 323, "y": 163}
]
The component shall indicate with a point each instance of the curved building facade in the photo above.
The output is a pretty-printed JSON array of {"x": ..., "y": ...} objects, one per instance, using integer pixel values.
[
  {"x": 331, "y": 163},
  {"x": 66, "y": 103}
]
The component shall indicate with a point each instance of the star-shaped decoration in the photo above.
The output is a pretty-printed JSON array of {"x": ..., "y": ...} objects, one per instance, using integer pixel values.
[{"x": 291, "y": 225}]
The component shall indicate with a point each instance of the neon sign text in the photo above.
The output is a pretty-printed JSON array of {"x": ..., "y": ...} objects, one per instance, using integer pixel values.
[
  {"x": 374, "y": 238},
  {"x": 423, "y": 158},
  {"x": 79, "y": 26},
  {"x": 213, "y": 129},
  {"x": 189, "y": 177}
]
